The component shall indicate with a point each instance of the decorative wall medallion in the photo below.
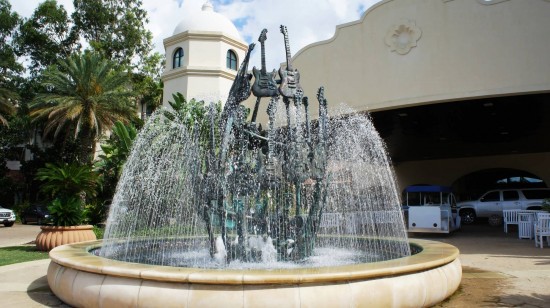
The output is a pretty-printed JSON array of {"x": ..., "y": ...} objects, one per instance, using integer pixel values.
[{"x": 402, "y": 37}]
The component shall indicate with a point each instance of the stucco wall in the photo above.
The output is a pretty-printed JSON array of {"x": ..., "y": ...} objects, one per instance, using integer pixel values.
[{"x": 465, "y": 49}]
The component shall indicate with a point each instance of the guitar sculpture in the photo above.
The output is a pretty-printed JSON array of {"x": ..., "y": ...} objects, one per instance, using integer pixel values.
[
  {"x": 240, "y": 90},
  {"x": 290, "y": 78},
  {"x": 264, "y": 83}
]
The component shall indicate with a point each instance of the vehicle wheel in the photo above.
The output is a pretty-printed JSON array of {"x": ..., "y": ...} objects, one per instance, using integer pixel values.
[
  {"x": 8, "y": 224},
  {"x": 23, "y": 221},
  {"x": 467, "y": 217}
]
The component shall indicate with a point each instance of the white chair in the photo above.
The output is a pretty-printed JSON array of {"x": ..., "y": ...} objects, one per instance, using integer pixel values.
[
  {"x": 510, "y": 217},
  {"x": 542, "y": 229},
  {"x": 526, "y": 222}
]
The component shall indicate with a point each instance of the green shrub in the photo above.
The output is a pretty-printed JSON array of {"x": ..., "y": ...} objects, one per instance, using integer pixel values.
[
  {"x": 66, "y": 212},
  {"x": 99, "y": 231},
  {"x": 68, "y": 180},
  {"x": 95, "y": 212}
]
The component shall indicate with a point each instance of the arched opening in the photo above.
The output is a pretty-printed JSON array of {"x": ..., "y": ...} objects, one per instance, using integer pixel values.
[
  {"x": 178, "y": 58},
  {"x": 231, "y": 60},
  {"x": 473, "y": 185}
]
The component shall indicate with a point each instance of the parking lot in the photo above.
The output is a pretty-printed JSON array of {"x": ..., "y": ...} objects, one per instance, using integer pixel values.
[{"x": 18, "y": 234}]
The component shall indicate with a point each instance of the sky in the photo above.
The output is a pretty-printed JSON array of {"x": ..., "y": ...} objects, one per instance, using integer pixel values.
[{"x": 307, "y": 21}]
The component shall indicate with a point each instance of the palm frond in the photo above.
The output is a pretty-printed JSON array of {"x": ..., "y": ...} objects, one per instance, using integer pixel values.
[{"x": 86, "y": 92}]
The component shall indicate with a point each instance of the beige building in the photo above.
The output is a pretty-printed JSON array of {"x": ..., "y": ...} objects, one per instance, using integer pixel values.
[{"x": 459, "y": 89}]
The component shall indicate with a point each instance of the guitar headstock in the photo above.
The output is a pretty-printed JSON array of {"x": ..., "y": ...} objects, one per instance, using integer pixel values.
[
  {"x": 272, "y": 107},
  {"x": 321, "y": 94},
  {"x": 283, "y": 30},
  {"x": 263, "y": 36}
]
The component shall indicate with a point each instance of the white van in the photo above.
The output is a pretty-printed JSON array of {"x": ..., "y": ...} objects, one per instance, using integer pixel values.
[{"x": 430, "y": 208}]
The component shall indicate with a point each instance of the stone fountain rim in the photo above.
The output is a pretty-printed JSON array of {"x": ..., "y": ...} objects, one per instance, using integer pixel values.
[{"x": 77, "y": 256}]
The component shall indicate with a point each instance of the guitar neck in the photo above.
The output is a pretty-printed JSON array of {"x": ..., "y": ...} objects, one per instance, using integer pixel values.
[
  {"x": 287, "y": 46},
  {"x": 244, "y": 65},
  {"x": 264, "y": 71}
]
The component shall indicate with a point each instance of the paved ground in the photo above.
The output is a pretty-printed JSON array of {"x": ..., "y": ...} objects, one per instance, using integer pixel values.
[
  {"x": 499, "y": 270},
  {"x": 18, "y": 234}
]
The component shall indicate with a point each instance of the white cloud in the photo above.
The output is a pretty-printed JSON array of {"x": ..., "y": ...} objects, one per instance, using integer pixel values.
[{"x": 308, "y": 21}]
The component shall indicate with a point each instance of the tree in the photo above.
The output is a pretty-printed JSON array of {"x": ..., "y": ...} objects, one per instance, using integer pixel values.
[
  {"x": 147, "y": 83},
  {"x": 6, "y": 107},
  {"x": 9, "y": 67},
  {"x": 47, "y": 36},
  {"x": 114, "y": 28},
  {"x": 115, "y": 152},
  {"x": 87, "y": 97},
  {"x": 196, "y": 117}
]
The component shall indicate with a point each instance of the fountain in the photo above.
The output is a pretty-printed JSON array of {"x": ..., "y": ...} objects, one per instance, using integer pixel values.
[{"x": 218, "y": 212}]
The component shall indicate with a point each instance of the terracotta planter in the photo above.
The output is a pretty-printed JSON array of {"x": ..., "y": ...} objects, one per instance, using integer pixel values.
[{"x": 51, "y": 237}]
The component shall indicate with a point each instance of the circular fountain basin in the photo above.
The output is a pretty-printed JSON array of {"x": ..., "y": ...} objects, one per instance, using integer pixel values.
[{"x": 82, "y": 279}]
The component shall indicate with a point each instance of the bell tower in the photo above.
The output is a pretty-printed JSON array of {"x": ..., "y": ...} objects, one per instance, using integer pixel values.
[{"x": 202, "y": 56}]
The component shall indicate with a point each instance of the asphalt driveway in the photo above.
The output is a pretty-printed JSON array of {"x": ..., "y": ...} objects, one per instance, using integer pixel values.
[{"x": 18, "y": 234}]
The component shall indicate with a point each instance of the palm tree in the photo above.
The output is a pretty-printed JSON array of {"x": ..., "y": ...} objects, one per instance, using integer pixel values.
[
  {"x": 6, "y": 107},
  {"x": 87, "y": 97}
]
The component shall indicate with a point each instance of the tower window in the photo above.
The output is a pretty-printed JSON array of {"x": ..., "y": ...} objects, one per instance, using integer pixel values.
[
  {"x": 178, "y": 58},
  {"x": 231, "y": 62}
]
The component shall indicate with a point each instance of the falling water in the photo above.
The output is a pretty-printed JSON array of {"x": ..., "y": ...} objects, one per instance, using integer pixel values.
[{"x": 159, "y": 214}]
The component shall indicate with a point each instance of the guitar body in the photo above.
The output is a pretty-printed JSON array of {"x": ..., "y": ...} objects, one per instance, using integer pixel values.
[
  {"x": 242, "y": 90},
  {"x": 290, "y": 82},
  {"x": 264, "y": 83}
]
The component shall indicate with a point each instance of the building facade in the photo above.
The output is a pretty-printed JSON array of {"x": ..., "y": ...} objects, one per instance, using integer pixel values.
[{"x": 458, "y": 89}]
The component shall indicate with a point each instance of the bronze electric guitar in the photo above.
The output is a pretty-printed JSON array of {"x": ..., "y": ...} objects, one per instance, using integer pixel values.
[
  {"x": 264, "y": 82},
  {"x": 290, "y": 78},
  {"x": 240, "y": 89}
]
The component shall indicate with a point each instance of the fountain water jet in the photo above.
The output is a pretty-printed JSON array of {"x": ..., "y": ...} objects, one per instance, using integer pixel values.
[{"x": 253, "y": 217}]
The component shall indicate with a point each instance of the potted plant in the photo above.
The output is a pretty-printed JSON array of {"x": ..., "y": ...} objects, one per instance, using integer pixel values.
[{"x": 69, "y": 185}]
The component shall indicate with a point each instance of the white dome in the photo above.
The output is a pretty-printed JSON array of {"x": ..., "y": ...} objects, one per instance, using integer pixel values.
[{"x": 207, "y": 20}]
